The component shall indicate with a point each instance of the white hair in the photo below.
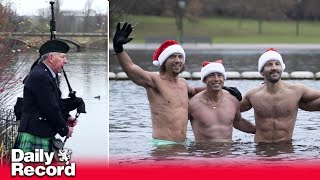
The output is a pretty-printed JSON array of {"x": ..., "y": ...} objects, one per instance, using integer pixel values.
[{"x": 45, "y": 56}]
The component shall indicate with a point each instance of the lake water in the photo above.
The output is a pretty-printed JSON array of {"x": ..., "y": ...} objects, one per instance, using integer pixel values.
[
  {"x": 88, "y": 75},
  {"x": 131, "y": 132}
]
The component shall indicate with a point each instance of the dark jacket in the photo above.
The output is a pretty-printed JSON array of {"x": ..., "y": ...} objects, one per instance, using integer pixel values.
[{"x": 42, "y": 109}]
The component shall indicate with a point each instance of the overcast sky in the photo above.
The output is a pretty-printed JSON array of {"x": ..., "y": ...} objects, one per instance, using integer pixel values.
[{"x": 30, "y": 7}]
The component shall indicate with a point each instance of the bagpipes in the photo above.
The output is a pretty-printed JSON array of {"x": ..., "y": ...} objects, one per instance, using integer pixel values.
[
  {"x": 73, "y": 102},
  {"x": 68, "y": 104}
]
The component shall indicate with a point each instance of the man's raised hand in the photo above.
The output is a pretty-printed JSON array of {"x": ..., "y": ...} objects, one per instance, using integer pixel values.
[{"x": 121, "y": 37}]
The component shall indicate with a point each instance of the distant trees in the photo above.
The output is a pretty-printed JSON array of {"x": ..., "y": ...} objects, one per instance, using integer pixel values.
[
  {"x": 250, "y": 9},
  {"x": 117, "y": 12},
  {"x": 8, "y": 19},
  {"x": 86, "y": 14},
  {"x": 8, "y": 82},
  {"x": 267, "y": 10},
  {"x": 194, "y": 10},
  {"x": 86, "y": 20}
]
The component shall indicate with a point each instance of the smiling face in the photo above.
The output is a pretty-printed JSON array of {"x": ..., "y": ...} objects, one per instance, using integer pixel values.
[
  {"x": 272, "y": 71},
  {"x": 214, "y": 81},
  {"x": 173, "y": 64},
  {"x": 56, "y": 61}
]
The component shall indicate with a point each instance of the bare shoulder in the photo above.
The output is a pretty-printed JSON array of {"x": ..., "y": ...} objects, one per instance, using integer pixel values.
[
  {"x": 154, "y": 79},
  {"x": 196, "y": 98},
  {"x": 230, "y": 97},
  {"x": 153, "y": 75},
  {"x": 184, "y": 84},
  {"x": 254, "y": 91},
  {"x": 182, "y": 80},
  {"x": 296, "y": 86}
]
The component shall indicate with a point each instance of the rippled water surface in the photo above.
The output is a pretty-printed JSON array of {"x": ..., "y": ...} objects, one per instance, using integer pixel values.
[{"x": 130, "y": 134}]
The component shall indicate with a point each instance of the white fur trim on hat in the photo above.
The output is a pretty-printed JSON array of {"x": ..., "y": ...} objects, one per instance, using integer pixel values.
[
  {"x": 212, "y": 68},
  {"x": 156, "y": 63},
  {"x": 268, "y": 56},
  {"x": 168, "y": 52}
]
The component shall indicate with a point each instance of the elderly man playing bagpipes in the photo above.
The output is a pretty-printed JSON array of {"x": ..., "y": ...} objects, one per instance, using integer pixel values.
[{"x": 42, "y": 112}]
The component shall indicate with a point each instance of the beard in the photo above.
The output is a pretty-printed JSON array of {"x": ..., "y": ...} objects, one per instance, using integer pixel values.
[
  {"x": 273, "y": 81},
  {"x": 272, "y": 78},
  {"x": 176, "y": 69}
]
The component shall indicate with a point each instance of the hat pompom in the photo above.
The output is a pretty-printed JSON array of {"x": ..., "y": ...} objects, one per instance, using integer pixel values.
[
  {"x": 205, "y": 63},
  {"x": 156, "y": 63},
  {"x": 219, "y": 61},
  {"x": 271, "y": 49}
]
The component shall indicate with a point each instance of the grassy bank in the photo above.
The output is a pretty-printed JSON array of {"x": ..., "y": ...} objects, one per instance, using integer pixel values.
[{"x": 227, "y": 30}]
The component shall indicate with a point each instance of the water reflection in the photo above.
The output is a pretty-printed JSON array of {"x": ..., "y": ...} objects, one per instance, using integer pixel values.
[
  {"x": 169, "y": 151},
  {"x": 274, "y": 149},
  {"x": 219, "y": 150},
  {"x": 211, "y": 150}
]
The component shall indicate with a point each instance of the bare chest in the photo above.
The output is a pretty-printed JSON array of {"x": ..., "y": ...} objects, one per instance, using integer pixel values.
[
  {"x": 210, "y": 115},
  {"x": 175, "y": 94},
  {"x": 275, "y": 105}
]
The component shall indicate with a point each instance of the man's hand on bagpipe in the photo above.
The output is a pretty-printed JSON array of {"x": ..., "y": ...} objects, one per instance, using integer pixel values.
[{"x": 71, "y": 121}]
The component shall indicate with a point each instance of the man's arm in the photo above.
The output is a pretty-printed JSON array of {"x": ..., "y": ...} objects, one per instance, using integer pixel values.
[
  {"x": 310, "y": 100},
  {"x": 190, "y": 111},
  {"x": 194, "y": 90},
  {"x": 245, "y": 104},
  {"x": 310, "y": 106},
  {"x": 134, "y": 72},
  {"x": 242, "y": 124}
]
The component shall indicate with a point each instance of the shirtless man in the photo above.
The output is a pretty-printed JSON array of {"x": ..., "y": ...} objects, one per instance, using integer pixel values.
[
  {"x": 167, "y": 93},
  {"x": 214, "y": 112},
  {"x": 276, "y": 102}
]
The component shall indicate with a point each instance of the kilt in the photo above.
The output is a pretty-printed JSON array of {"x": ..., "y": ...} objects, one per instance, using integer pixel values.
[{"x": 28, "y": 142}]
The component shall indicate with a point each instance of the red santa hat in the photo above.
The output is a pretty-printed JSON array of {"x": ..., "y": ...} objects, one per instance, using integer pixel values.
[
  {"x": 270, "y": 54},
  {"x": 166, "y": 49},
  {"x": 212, "y": 67}
]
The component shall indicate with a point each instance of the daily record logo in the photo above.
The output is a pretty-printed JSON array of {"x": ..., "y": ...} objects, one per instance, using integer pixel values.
[{"x": 20, "y": 160}]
